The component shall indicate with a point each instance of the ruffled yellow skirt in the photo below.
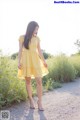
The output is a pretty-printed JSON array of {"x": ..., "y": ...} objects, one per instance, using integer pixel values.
[{"x": 32, "y": 66}]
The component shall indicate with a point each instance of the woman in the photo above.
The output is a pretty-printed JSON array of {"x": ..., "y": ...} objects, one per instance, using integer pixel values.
[{"x": 31, "y": 62}]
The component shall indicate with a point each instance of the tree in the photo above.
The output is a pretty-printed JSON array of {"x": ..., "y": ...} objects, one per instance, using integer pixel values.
[
  {"x": 46, "y": 55},
  {"x": 77, "y": 43},
  {"x": 14, "y": 55}
]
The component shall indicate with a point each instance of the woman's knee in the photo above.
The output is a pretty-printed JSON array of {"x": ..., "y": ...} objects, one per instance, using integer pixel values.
[
  {"x": 39, "y": 81},
  {"x": 28, "y": 80}
]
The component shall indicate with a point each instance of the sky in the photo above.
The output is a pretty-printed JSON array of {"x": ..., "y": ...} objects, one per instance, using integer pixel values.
[{"x": 59, "y": 24}]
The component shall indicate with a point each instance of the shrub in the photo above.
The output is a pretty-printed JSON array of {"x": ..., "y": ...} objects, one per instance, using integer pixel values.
[
  {"x": 60, "y": 69},
  {"x": 75, "y": 61},
  {"x": 50, "y": 84},
  {"x": 11, "y": 89}
]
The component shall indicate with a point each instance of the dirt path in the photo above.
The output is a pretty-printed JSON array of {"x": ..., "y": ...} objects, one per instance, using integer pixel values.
[{"x": 60, "y": 104}]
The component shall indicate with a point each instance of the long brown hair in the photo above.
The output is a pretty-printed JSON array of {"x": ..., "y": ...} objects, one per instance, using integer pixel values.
[{"x": 29, "y": 32}]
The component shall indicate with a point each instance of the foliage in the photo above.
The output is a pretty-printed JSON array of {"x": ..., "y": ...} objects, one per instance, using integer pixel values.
[
  {"x": 14, "y": 56},
  {"x": 75, "y": 61},
  {"x": 60, "y": 69},
  {"x": 11, "y": 89},
  {"x": 46, "y": 55},
  {"x": 77, "y": 43}
]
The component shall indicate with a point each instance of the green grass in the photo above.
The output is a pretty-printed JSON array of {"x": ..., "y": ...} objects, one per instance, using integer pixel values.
[
  {"x": 75, "y": 61},
  {"x": 60, "y": 69},
  {"x": 11, "y": 88}
]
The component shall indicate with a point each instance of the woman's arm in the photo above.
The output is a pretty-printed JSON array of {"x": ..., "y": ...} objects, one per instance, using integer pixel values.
[
  {"x": 41, "y": 54},
  {"x": 19, "y": 54}
]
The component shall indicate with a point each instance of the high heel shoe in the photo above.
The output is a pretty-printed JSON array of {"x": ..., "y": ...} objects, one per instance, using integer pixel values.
[
  {"x": 32, "y": 106},
  {"x": 40, "y": 108}
]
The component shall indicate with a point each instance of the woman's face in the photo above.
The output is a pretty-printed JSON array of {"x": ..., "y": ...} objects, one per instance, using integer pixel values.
[{"x": 35, "y": 31}]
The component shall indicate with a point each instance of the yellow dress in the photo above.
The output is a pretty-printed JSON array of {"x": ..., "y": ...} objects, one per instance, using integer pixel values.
[{"x": 32, "y": 64}]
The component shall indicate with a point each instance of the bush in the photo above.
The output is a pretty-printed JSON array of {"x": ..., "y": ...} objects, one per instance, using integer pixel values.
[
  {"x": 75, "y": 61},
  {"x": 51, "y": 84},
  {"x": 14, "y": 56},
  {"x": 60, "y": 69},
  {"x": 11, "y": 89}
]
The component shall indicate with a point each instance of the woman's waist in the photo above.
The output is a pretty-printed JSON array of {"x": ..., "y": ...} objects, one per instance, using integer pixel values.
[{"x": 29, "y": 50}]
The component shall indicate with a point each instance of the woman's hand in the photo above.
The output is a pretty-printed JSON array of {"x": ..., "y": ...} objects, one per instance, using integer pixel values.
[
  {"x": 19, "y": 65},
  {"x": 45, "y": 64}
]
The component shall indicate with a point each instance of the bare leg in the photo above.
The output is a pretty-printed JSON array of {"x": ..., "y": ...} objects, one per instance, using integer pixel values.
[
  {"x": 39, "y": 92},
  {"x": 29, "y": 90}
]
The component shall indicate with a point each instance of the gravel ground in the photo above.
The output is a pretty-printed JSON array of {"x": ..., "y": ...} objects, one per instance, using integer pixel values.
[{"x": 60, "y": 104}]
